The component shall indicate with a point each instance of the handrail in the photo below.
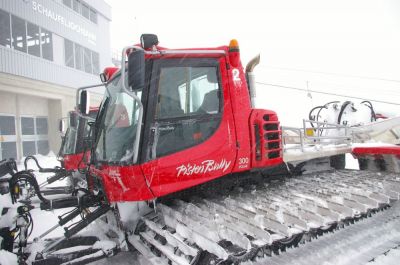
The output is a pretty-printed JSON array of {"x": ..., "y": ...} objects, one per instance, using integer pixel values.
[
  {"x": 301, "y": 134},
  {"x": 135, "y": 98}
]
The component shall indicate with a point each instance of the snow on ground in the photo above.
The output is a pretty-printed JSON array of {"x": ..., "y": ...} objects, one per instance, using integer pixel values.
[
  {"x": 392, "y": 257},
  {"x": 7, "y": 258},
  {"x": 351, "y": 162},
  {"x": 43, "y": 220}
]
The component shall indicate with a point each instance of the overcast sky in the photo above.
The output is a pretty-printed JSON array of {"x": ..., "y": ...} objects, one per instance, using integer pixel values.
[{"x": 349, "y": 47}]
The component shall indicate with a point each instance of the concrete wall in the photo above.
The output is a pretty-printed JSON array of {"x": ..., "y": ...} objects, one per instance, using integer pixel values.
[
  {"x": 8, "y": 103},
  {"x": 20, "y": 96}
]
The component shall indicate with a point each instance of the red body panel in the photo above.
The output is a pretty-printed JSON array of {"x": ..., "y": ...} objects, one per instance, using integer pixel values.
[
  {"x": 123, "y": 183},
  {"x": 230, "y": 149},
  {"x": 71, "y": 162},
  {"x": 241, "y": 109},
  {"x": 266, "y": 139},
  {"x": 377, "y": 150}
]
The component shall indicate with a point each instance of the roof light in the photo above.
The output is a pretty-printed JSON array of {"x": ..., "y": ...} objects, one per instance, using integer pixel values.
[
  {"x": 233, "y": 46},
  {"x": 234, "y": 55}
]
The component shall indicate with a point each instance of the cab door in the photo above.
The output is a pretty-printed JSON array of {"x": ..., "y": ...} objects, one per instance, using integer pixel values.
[{"x": 189, "y": 136}]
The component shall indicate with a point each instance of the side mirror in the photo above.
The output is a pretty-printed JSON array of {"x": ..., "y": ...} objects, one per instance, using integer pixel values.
[
  {"x": 147, "y": 41},
  {"x": 73, "y": 119},
  {"x": 136, "y": 69},
  {"x": 103, "y": 77},
  {"x": 84, "y": 102},
  {"x": 61, "y": 126}
]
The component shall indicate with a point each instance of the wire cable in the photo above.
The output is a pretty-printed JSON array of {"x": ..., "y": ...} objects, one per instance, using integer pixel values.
[{"x": 328, "y": 93}]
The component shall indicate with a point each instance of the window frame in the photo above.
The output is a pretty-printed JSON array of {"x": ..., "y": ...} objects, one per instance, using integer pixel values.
[{"x": 150, "y": 118}]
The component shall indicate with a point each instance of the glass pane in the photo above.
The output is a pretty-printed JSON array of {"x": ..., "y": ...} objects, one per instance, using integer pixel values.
[
  {"x": 95, "y": 63},
  {"x": 191, "y": 92},
  {"x": 76, "y": 5},
  {"x": 47, "y": 44},
  {"x": 87, "y": 60},
  {"x": 69, "y": 53},
  {"x": 41, "y": 126},
  {"x": 27, "y": 126},
  {"x": 117, "y": 135},
  {"x": 8, "y": 150},
  {"x": 33, "y": 39},
  {"x": 18, "y": 33},
  {"x": 29, "y": 148},
  {"x": 186, "y": 91},
  {"x": 43, "y": 147},
  {"x": 78, "y": 57},
  {"x": 85, "y": 11},
  {"x": 93, "y": 16},
  {"x": 7, "y": 125},
  {"x": 5, "y": 38},
  {"x": 67, "y": 3},
  {"x": 175, "y": 136}
]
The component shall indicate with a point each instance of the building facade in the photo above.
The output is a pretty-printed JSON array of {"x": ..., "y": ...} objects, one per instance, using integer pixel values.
[{"x": 48, "y": 48}]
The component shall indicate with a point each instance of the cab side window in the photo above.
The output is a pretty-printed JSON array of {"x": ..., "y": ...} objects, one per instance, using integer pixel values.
[
  {"x": 188, "y": 107},
  {"x": 185, "y": 91}
]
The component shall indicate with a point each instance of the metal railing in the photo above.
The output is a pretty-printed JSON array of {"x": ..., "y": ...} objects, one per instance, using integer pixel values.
[{"x": 315, "y": 133}]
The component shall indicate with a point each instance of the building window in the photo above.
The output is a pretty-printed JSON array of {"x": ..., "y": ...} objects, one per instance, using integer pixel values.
[
  {"x": 93, "y": 16},
  {"x": 8, "y": 150},
  {"x": 43, "y": 147},
  {"x": 5, "y": 39},
  {"x": 41, "y": 126},
  {"x": 18, "y": 33},
  {"x": 82, "y": 8},
  {"x": 88, "y": 60},
  {"x": 27, "y": 126},
  {"x": 96, "y": 63},
  {"x": 67, "y": 3},
  {"x": 85, "y": 11},
  {"x": 33, "y": 41},
  {"x": 76, "y": 6},
  {"x": 47, "y": 44},
  {"x": 34, "y": 135},
  {"x": 81, "y": 58},
  {"x": 69, "y": 53},
  {"x": 78, "y": 57},
  {"x": 7, "y": 125},
  {"x": 28, "y": 148},
  {"x": 8, "y": 144},
  {"x": 26, "y": 37}
]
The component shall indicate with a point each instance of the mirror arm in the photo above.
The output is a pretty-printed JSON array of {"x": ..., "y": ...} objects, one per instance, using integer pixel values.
[
  {"x": 136, "y": 98},
  {"x": 78, "y": 92}
]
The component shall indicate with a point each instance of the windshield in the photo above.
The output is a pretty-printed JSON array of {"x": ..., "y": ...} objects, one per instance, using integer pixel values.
[
  {"x": 70, "y": 140},
  {"x": 117, "y": 128},
  {"x": 84, "y": 132}
]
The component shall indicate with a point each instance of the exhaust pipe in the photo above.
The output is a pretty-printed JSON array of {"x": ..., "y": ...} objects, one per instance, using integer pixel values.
[{"x": 251, "y": 78}]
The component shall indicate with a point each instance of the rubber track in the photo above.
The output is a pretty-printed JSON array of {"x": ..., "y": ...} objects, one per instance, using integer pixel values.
[{"x": 264, "y": 218}]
